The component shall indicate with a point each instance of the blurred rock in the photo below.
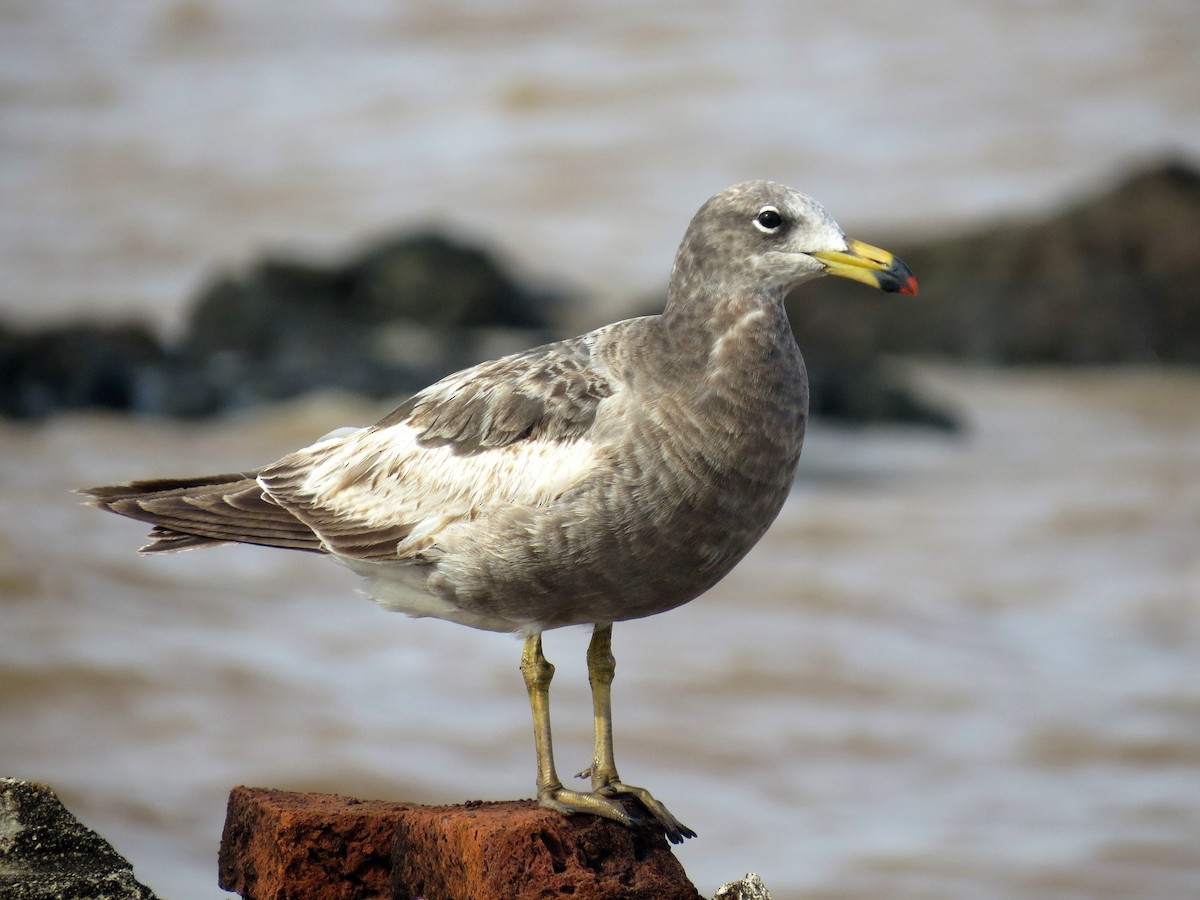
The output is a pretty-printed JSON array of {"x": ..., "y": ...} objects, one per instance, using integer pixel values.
[
  {"x": 863, "y": 391},
  {"x": 1111, "y": 279},
  {"x": 279, "y": 844},
  {"x": 46, "y": 854},
  {"x": 436, "y": 282},
  {"x": 77, "y": 367},
  {"x": 386, "y": 322},
  {"x": 389, "y": 321}
]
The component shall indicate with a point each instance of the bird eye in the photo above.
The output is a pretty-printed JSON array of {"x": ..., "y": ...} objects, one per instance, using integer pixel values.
[{"x": 768, "y": 220}]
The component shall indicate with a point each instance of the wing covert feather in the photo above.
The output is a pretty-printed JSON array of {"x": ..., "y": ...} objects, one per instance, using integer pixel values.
[{"x": 510, "y": 431}]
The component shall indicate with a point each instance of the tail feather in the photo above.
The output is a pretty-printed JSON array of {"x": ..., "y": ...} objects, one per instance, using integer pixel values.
[
  {"x": 202, "y": 512},
  {"x": 167, "y": 541}
]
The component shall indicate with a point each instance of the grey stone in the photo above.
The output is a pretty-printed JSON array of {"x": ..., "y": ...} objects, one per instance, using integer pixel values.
[
  {"x": 47, "y": 854},
  {"x": 749, "y": 888}
]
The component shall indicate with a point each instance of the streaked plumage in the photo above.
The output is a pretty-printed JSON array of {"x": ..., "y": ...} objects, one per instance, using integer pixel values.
[{"x": 602, "y": 478}]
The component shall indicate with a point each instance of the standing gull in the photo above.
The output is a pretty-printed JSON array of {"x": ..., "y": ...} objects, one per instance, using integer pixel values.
[{"x": 606, "y": 477}]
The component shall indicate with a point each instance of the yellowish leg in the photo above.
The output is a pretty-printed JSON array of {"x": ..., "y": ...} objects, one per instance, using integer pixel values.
[
  {"x": 602, "y": 667},
  {"x": 550, "y": 791}
]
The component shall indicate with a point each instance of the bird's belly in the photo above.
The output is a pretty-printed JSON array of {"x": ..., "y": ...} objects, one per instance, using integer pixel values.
[
  {"x": 604, "y": 557},
  {"x": 405, "y": 588},
  {"x": 622, "y": 546}
]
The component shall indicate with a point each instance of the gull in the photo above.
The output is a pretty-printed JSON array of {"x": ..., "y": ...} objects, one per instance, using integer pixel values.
[{"x": 603, "y": 478}]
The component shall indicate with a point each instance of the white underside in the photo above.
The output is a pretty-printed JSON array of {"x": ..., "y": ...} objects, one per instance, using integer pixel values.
[{"x": 400, "y": 587}]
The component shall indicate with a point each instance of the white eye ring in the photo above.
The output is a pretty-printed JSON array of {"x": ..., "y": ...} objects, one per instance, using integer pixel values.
[{"x": 768, "y": 220}]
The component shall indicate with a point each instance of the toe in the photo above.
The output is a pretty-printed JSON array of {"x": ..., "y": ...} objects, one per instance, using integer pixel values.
[
  {"x": 676, "y": 830},
  {"x": 569, "y": 802}
]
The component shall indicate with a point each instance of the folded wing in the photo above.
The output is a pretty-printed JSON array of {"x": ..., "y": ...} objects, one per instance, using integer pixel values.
[{"x": 510, "y": 431}]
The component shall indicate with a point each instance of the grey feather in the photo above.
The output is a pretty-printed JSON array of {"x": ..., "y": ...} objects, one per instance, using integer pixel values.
[{"x": 549, "y": 392}]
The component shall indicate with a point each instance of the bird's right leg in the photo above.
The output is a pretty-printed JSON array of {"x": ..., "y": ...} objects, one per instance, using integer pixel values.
[{"x": 551, "y": 794}]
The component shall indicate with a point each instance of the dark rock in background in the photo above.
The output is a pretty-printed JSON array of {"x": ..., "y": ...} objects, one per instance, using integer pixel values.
[
  {"x": 46, "y": 854},
  {"x": 77, "y": 366},
  {"x": 869, "y": 391},
  {"x": 397, "y": 279},
  {"x": 387, "y": 322},
  {"x": 390, "y": 321},
  {"x": 1111, "y": 279}
]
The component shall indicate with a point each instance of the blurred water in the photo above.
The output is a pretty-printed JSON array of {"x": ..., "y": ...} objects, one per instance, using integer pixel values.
[
  {"x": 145, "y": 142},
  {"x": 954, "y": 668}
]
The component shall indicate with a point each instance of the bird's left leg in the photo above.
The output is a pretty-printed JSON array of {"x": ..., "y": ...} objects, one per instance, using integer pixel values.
[{"x": 602, "y": 667}]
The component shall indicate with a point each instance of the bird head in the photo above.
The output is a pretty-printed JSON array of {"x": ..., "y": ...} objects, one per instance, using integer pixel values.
[{"x": 774, "y": 237}]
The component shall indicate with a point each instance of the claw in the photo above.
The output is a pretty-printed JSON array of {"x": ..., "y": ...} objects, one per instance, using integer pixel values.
[{"x": 676, "y": 831}]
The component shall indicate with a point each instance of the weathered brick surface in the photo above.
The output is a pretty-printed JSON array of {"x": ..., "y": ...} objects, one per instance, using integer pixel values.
[
  {"x": 518, "y": 851},
  {"x": 280, "y": 845}
]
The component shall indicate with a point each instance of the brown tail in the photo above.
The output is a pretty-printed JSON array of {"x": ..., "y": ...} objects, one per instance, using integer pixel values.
[{"x": 205, "y": 512}]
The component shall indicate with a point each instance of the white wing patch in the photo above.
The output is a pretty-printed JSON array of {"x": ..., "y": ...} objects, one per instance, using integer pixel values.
[{"x": 380, "y": 478}]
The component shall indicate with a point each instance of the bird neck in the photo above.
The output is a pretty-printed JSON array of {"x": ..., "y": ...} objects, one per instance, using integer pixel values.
[{"x": 726, "y": 316}]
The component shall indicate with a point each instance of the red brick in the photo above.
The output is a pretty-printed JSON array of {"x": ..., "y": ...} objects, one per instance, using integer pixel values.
[
  {"x": 288, "y": 846},
  {"x": 280, "y": 845},
  {"x": 518, "y": 851}
]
